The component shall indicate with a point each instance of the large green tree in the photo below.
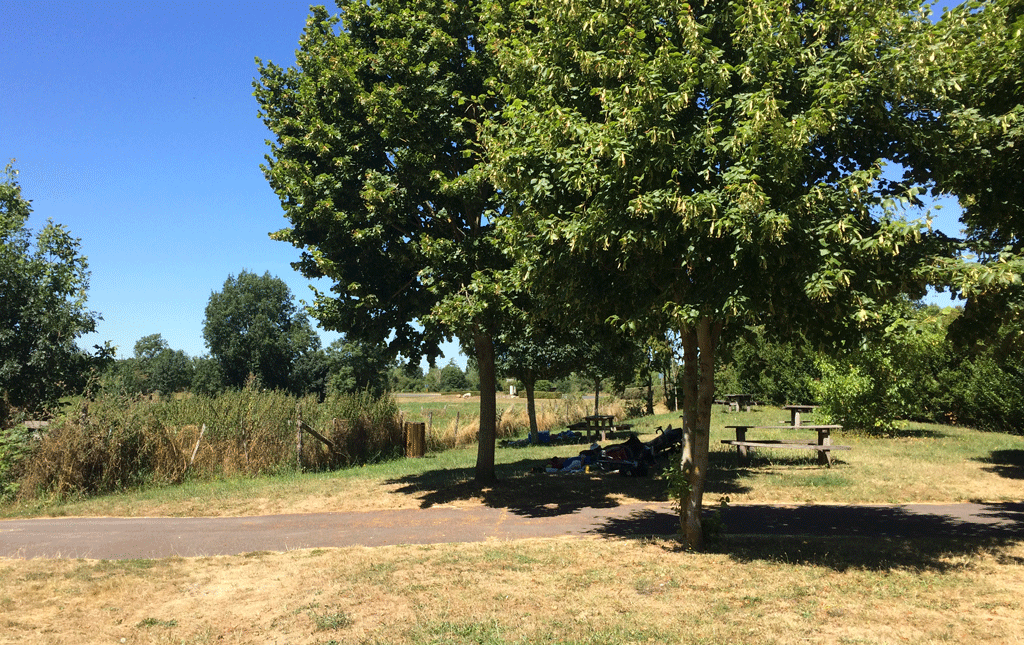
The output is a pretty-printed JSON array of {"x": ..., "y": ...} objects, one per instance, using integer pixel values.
[
  {"x": 376, "y": 163},
  {"x": 970, "y": 141},
  {"x": 43, "y": 283},
  {"x": 160, "y": 368},
  {"x": 694, "y": 165},
  {"x": 534, "y": 350},
  {"x": 253, "y": 327},
  {"x": 354, "y": 367}
]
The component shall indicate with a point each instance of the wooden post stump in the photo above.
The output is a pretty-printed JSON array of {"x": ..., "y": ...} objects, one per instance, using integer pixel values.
[{"x": 415, "y": 439}]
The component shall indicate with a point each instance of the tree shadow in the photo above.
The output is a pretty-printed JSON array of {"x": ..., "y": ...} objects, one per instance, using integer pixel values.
[
  {"x": 522, "y": 490},
  {"x": 727, "y": 461},
  {"x": 839, "y": 537},
  {"x": 1006, "y": 463}
]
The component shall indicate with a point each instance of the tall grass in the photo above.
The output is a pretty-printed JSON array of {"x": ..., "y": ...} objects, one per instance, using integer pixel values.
[
  {"x": 453, "y": 424},
  {"x": 114, "y": 443}
]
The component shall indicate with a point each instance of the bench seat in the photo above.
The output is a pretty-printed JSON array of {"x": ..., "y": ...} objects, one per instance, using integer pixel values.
[{"x": 784, "y": 444}]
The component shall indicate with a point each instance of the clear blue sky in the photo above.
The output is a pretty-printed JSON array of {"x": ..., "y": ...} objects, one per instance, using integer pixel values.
[{"x": 134, "y": 124}]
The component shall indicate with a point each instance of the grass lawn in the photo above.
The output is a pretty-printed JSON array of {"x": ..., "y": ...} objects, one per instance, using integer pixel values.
[{"x": 565, "y": 590}]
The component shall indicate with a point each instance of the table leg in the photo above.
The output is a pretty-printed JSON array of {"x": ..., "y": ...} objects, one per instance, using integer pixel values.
[
  {"x": 741, "y": 451},
  {"x": 824, "y": 439}
]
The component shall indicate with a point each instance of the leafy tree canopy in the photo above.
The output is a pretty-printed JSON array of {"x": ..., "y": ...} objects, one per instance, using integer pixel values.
[
  {"x": 355, "y": 366},
  {"x": 253, "y": 327},
  {"x": 43, "y": 283},
  {"x": 687, "y": 165},
  {"x": 376, "y": 162}
]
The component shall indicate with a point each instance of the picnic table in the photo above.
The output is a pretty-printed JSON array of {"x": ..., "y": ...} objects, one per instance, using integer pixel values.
[
  {"x": 735, "y": 401},
  {"x": 796, "y": 410},
  {"x": 824, "y": 444},
  {"x": 598, "y": 424}
]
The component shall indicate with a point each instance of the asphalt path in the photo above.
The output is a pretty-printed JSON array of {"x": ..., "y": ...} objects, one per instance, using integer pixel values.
[{"x": 160, "y": 537}]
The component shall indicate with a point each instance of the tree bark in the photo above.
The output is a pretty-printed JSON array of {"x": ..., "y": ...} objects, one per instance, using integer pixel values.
[
  {"x": 689, "y": 505},
  {"x": 699, "y": 344},
  {"x": 597, "y": 395},
  {"x": 487, "y": 437},
  {"x": 529, "y": 383}
]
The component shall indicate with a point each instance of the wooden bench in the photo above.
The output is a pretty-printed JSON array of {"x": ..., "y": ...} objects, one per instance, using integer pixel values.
[
  {"x": 824, "y": 444},
  {"x": 605, "y": 429}
]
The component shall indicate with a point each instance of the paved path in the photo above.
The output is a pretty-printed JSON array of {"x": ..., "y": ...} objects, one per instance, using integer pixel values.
[{"x": 130, "y": 538}]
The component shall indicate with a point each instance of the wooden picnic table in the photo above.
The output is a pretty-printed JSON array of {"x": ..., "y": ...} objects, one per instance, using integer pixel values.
[
  {"x": 824, "y": 445},
  {"x": 796, "y": 410},
  {"x": 599, "y": 425},
  {"x": 737, "y": 400}
]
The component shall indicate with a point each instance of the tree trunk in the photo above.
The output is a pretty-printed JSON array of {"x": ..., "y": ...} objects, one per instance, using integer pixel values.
[
  {"x": 531, "y": 408},
  {"x": 699, "y": 343},
  {"x": 689, "y": 505},
  {"x": 488, "y": 435},
  {"x": 597, "y": 395},
  {"x": 650, "y": 393}
]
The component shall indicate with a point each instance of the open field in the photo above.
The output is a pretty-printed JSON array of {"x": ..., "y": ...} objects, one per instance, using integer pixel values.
[{"x": 578, "y": 591}]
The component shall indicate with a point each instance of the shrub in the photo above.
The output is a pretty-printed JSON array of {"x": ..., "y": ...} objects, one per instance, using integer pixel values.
[{"x": 112, "y": 443}]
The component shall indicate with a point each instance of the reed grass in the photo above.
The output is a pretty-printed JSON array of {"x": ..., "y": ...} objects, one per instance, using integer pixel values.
[{"x": 116, "y": 443}]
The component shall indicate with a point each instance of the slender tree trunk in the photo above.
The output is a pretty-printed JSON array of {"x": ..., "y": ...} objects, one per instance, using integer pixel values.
[
  {"x": 487, "y": 438},
  {"x": 699, "y": 343},
  {"x": 531, "y": 408},
  {"x": 597, "y": 395},
  {"x": 650, "y": 392},
  {"x": 689, "y": 505}
]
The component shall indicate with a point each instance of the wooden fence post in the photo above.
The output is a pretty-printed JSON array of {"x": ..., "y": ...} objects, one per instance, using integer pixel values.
[
  {"x": 298, "y": 441},
  {"x": 415, "y": 439},
  {"x": 202, "y": 431}
]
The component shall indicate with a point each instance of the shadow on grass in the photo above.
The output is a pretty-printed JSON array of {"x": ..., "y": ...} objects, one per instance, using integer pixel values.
[
  {"x": 842, "y": 537},
  {"x": 523, "y": 491},
  {"x": 531, "y": 494},
  {"x": 1006, "y": 463}
]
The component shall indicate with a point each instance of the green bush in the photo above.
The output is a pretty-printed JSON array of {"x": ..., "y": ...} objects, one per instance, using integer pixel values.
[
  {"x": 853, "y": 398},
  {"x": 15, "y": 447}
]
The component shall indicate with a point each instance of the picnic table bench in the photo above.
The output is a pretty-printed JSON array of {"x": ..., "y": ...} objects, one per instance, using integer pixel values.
[
  {"x": 824, "y": 446},
  {"x": 738, "y": 401},
  {"x": 796, "y": 410},
  {"x": 599, "y": 424}
]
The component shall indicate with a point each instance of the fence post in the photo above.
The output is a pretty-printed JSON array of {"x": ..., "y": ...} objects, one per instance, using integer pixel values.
[
  {"x": 455, "y": 437},
  {"x": 298, "y": 442},
  {"x": 415, "y": 439},
  {"x": 202, "y": 431}
]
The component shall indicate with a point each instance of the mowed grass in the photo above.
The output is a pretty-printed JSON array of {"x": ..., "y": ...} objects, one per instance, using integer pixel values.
[
  {"x": 948, "y": 589},
  {"x": 562, "y": 590}
]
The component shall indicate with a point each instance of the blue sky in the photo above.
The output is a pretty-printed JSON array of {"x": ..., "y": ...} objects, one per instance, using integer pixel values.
[{"x": 134, "y": 125}]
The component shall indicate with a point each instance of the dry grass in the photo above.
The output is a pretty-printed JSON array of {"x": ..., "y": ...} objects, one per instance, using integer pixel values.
[
  {"x": 530, "y": 591},
  {"x": 453, "y": 420},
  {"x": 572, "y": 590}
]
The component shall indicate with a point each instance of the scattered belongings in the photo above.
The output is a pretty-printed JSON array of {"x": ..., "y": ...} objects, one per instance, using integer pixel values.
[
  {"x": 631, "y": 458},
  {"x": 667, "y": 441}
]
